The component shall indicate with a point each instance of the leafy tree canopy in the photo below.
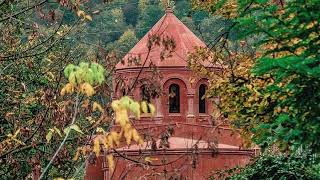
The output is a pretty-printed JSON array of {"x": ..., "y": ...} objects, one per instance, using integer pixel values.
[{"x": 271, "y": 70}]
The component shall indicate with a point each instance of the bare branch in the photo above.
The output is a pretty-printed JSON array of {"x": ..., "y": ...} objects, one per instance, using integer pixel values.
[{"x": 22, "y": 11}]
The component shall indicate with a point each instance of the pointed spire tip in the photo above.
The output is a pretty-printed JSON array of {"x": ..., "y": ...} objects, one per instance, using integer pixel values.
[{"x": 169, "y": 10}]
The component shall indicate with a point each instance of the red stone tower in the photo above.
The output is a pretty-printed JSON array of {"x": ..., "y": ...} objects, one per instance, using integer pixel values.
[
  {"x": 194, "y": 146},
  {"x": 173, "y": 69}
]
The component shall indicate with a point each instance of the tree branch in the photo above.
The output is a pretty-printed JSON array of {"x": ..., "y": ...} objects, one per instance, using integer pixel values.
[{"x": 22, "y": 11}]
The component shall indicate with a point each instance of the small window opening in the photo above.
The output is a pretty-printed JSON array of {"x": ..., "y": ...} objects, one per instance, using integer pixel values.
[
  {"x": 145, "y": 95},
  {"x": 174, "y": 98},
  {"x": 202, "y": 100}
]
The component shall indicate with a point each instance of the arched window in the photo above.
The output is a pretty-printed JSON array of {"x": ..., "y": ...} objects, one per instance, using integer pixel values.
[
  {"x": 145, "y": 94},
  {"x": 174, "y": 98},
  {"x": 202, "y": 100}
]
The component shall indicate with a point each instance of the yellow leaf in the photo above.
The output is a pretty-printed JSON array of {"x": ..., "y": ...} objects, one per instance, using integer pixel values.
[
  {"x": 122, "y": 117},
  {"x": 100, "y": 130},
  {"x": 76, "y": 157},
  {"x": 58, "y": 131},
  {"x": 88, "y": 17},
  {"x": 18, "y": 141},
  {"x": 87, "y": 89},
  {"x": 150, "y": 159},
  {"x": 127, "y": 127},
  {"x": 152, "y": 109},
  {"x": 192, "y": 80},
  {"x": 49, "y": 135},
  {"x": 115, "y": 105},
  {"x": 59, "y": 178},
  {"x": 81, "y": 13},
  {"x": 16, "y": 133},
  {"x": 144, "y": 107},
  {"x": 90, "y": 119},
  {"x": 140, "y": 142},
  {"x": 85, "y": 103},
  {"x": 128, "y": 136},
  {"x": 52, "y": 77},
  {"x": 311, "y": 25},
  {"x": 9, "y": 114},
  {"x": 84, "y": 149},
  {"x": 115, "y": 137},
  {"x": 68, "y": 88},
  {"x": 63, "y": 92},
  {"x": 60, "y": 33},
  {"x": 105, "y": 143},
  {"x": 110, "y": 141},
  {"x": 97, "y": 106},
  {"x": 135, "y": 135},
  {"x": 96, "y": 146}
]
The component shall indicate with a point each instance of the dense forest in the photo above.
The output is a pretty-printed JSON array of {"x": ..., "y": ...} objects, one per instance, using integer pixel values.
[
  {"x": 57, "y": 58},
  {"x": 118, "y": 26}
]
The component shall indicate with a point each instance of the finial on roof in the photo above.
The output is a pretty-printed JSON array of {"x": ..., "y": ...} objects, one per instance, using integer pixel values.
[
  {"x": 169, "y": 10},
  {"x": 169, "y": 6}
]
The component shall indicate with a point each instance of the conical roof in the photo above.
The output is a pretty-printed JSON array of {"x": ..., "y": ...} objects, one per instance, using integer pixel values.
[{"x": 168, "y": 26}]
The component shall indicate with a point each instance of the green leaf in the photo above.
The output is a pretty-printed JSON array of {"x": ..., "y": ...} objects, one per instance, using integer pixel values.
[
  {"x": 49, "y": 135},
  {"x": 76, "y": 128},
  {"x": 262, "y": 1},
  {"x": 58, "y": 131},
  {"x": 68, "y": 70},
  {"x": 66, "y": 130}
]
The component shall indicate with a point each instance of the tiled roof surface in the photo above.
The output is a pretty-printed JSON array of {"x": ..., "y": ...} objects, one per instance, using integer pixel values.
[{"x": 168, "y": 26}]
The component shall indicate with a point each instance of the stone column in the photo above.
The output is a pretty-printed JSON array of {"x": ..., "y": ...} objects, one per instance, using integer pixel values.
[
  {"x": 190, "y": 113},
  {"x": 159, "y": 115}
]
